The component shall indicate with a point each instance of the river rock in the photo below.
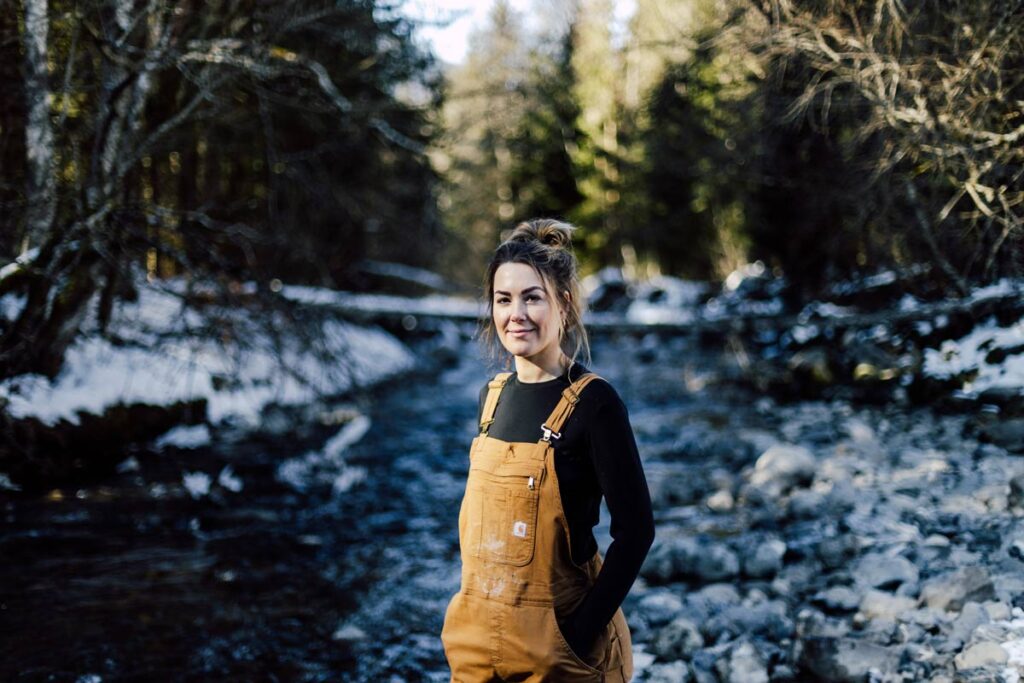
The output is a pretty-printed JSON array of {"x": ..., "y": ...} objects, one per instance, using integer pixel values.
[
  {"x": 846, "y": 660},
  {"x": 710, "y": 600},
  {"x": 1008, "y": 434},
  {"x": 678, "y": 640},
  {"x": 881, "y": 605},
  {"x": 838, "y": 599},
  {"x": 783, "y": 467},
  {"x": 688, "y": 558},
  {"x": 952, "y": 590},
  {"x": 972, "y": 616},
  {"x": 671, "y": 559},
  {"x": 1016, "y": 497},
  {"x": 836, "y": 551},
  {"x": 766, "y": 619},
  {"x": 805, "y": 504},
  {"x": 660, "y": 606},
  {"x": 981, "y": 654},
  {"x": 766, "y": 559},
  {"x": 721, "y": 501},
  {"x": 717, "y": 563},
  {"x": 746, "y": 665},
  {"x": 885, "y": 572},
  {"x": 672, "y": 672}
]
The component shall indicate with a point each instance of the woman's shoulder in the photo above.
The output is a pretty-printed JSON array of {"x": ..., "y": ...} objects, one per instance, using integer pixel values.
[{"x": 599, "y": 390}]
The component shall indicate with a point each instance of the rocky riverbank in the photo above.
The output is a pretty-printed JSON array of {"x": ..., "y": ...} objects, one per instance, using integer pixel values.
[{"x": 827, "y": 541}]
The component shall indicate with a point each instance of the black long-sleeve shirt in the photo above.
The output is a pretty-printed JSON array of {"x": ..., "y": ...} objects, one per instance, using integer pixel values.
[{"x": 596, "y": 455}]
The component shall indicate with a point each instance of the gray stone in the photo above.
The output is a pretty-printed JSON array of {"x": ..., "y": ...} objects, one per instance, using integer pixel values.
[
  {"x": 952, "y": 590},
  {"x": 671, "y": 559},
  {"x": 717, "y": 563},
  {"x": 678, "y": 640},
  {"x": 1016, "y": 498},
  {"x": 838, "y": 599},
  {"x": 805, "y": 504},
  {"x": 660, "y": 606},
  {"x": 981, "y": 655},
  {"x": 835, "y": 551},
  {"x": 971, "y": 617},
  {"x": 746, "y": 665},
  {"x": 880, "y": 605},
  {"x": 885, "y": 572},
  {"x": 766, "y": 560},
  {"x": 672, "y": 672},
  {"x": 680, "y": 558},
  {"x": 997, "y": 611},
  {"x": 767, "y": 619},
  {"x": 783, "y": 467},
  {"x": 846, "y": 660},
  {"x": 1008, "y": 434}
]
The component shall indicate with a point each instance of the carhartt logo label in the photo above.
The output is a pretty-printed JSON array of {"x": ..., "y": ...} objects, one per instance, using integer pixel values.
[{"x": 519, "y": 529}]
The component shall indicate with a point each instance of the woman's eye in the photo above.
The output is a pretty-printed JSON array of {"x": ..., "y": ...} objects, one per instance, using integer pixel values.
[{"x": 503, "y": 301}]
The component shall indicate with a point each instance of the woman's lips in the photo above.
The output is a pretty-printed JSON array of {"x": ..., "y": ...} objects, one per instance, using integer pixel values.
[{"x": 519, "y": 333}]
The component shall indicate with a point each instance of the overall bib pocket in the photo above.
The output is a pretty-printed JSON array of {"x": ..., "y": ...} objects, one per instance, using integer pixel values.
[{"x": 507, "y": 514}]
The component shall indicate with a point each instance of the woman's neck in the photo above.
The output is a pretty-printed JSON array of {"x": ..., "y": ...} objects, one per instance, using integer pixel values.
[{"x": 533, "y": 370}]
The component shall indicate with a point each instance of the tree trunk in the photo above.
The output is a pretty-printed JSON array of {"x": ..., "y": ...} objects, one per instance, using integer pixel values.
[{"x": 39, "y": 144}]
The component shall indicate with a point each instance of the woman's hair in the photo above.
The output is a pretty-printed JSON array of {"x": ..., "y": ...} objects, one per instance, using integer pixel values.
[{"x": 545, "y": 244}]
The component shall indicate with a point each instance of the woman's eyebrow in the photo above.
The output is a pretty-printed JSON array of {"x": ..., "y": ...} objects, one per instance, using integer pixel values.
[{"x": 528, "y": 289}]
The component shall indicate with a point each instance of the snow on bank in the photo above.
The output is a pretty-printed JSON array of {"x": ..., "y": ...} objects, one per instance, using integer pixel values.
[
  {"x": 971, "y": 353},
  {"x": 435, "y": 304},
  {"x": 166, "y": 366}
]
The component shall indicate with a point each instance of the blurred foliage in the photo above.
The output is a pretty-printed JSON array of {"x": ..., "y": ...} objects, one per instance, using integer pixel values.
[
  {"x": 827, "y": 139},
  {"x": 224, "y": 141},
  {"x": 250, "y": 141}
]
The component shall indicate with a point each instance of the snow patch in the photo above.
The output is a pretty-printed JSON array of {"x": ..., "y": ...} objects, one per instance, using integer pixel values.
[
  {"x": 160, "y": 366},
  {"x": 185, "y": 436},
  {"x": 968, "y": 353},
  {"x": 229, "y": 480},
  {"x": 196, "y": 483}
]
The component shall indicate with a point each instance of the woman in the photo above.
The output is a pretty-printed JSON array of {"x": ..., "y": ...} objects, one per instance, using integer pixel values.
[{"x": 536, "y": 602}]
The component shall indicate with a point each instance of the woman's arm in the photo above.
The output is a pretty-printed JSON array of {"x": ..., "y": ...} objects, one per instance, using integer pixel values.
[{"x": 621, "y": 477}]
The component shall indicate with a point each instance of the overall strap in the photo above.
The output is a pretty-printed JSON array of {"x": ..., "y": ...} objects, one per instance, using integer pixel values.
[
  {"x": 494, "y": 388},
  {"x": 570, "y": 397}
]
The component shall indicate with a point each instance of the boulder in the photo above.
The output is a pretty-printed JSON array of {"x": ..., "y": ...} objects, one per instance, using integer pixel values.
[
  {"x": 765, "y": 560},
  {"x": 746, "y": 665},
  {"x": 885, "y": 572},
  {"x": 677, "y": 640},
  {"x": 952, "y": 590},
  {"x": 783, "y": 467},
  {"x": 846, "y": 660},
  {"x": 881, "y": 605},
  {"x": 660, "y": 606},
  {"x": 838, "y": 599},
  {"x": 981, "y": 655}
]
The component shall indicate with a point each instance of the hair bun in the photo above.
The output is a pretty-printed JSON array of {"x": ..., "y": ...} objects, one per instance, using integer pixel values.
[{"x": 548, "y": 231}]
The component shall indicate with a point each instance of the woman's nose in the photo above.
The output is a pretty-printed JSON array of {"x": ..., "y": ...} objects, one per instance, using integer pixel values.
[{"x": 518, "y": 311}]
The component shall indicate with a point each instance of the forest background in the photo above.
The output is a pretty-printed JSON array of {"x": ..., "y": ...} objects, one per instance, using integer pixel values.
[{"x": 237, "y": 142}]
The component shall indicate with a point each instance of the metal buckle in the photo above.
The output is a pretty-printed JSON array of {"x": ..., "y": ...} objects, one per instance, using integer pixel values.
[
  {"x": 571, "y": 396},
  {"x": 549, "y": 434}
]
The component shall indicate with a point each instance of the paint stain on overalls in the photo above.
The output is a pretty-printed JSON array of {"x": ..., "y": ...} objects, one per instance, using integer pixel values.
[{"x": 518, "y": 576}]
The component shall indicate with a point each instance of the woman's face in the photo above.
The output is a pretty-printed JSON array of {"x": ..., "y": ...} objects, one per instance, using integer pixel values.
[{"x": 526, "y": 319}]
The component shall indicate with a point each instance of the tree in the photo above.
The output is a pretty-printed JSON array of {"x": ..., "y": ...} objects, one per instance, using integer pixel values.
[
  {"x": 925, "y": 101},
  {"x": 224, "y": 142}
]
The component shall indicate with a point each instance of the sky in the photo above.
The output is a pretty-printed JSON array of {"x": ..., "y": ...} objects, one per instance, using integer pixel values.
[{"x": 450, "y": 43}]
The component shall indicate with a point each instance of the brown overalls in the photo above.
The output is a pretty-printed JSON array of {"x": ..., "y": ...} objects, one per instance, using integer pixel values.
[{"x": 518, "y": 577}]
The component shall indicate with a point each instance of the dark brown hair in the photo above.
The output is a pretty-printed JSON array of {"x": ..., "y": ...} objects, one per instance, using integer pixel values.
[{"x": 545, "y": 244}]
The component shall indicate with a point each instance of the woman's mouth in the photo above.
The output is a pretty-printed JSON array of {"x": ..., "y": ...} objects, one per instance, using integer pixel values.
[{"x": 519, "y": 333}]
